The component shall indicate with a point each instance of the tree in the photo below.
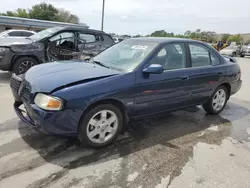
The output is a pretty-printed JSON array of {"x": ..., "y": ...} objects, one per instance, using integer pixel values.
[
  {"x": 187, "y": 33},
  {"x": 225, "y": 37},
  {"x": 235, "y": 38},
  {"x": 44, "y": 11},
  {"x": 159, "y": 33},
  {"x": 66, "y": 16},
  {"x": 136, "y": 36},
  {"x": 9, "y": 13}
]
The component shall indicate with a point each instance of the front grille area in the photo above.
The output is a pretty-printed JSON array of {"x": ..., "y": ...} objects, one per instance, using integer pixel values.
[
  {"x": 15, "y": 83},
  {"x": 25, "y": 94},
  {"x": 20, "y": 88}
]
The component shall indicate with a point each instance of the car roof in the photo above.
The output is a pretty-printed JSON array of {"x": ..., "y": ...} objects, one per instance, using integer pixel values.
[
  {"x": 164, "y": 39},
  {"x": 82, "y": 29},
  {"x": 9, "y": 30}
]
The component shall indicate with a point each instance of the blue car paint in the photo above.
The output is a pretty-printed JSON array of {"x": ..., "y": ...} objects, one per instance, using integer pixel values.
[
  {"x": 47, "y": 77},
  {"x": 137, "y": 93}
]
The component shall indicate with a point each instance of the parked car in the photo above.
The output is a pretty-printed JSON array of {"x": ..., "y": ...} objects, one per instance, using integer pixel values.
[
  {"x": 118, "y": 39},
  {"x": 245, "y": 50},
  {"x": 16, "y": 33},
  {"x": 58, "y": 43},
  {"x": 135, "y": 78},
  {"x": 231, "y": 50}
]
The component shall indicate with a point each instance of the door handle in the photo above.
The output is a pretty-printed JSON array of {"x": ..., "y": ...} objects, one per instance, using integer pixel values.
[
  {"x": 184, "y": 78},
  {"x": 220, "y": 73}
]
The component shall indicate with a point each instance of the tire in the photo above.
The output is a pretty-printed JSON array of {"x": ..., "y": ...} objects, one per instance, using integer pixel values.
[
  {"x": 210, "y": 106},
  {"x": 21, "y": 65},
  {"x": 93, "y": 138},
  {"x": 242, "y": 55},
  {"x": 234, "y": 54}
]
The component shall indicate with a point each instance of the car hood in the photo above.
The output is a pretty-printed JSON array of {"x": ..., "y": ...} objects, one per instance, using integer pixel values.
[
  {"x": 50, "y": 76},
  {"x": 14, "y": 41}
]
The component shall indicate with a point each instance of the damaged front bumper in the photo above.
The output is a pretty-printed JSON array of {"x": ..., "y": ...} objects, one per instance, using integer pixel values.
[{"x": 25, "y": 117}]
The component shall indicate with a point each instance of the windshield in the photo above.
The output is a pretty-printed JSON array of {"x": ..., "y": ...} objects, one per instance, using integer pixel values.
[
  {"x": 126, "y": 55},
  {"x": 45, "y": 33}
]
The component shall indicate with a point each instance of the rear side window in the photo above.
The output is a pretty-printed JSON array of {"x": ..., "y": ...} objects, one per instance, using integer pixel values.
[
  {"x": 26, "y": 34},
  {"x": 214, "y": 59},
  {"x": 15, "y": 34},
  {"x": 108, "y": 40},
  {"x": 202, "y": 56},
  {"x": 89, "y": 38},
  {"x": 199, "y": 55}
]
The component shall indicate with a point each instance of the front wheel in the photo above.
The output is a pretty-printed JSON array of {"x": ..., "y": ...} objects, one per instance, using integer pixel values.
[
  {"x": 241, "y": 55},
  {"x": 218, "y": 101},
  {"x": 21, "y": 65},
  {"x": 100, "y": 126}
]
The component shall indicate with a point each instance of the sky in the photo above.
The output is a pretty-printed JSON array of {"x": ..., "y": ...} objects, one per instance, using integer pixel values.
[{"x": 145, "y": 16}]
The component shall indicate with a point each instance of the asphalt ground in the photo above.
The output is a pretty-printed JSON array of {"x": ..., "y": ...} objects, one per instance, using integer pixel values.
[{"x": 186, "y": 148}]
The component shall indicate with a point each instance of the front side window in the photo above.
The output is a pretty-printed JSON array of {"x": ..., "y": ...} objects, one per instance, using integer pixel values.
[
  {"x": 126, "y": 55},
  {"x": 171, "y": 56},
  {"x": 199, "y": 55},
  {"x": 65, "y": 40}
]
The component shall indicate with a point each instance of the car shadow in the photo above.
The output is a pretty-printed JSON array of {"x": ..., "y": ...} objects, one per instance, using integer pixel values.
[
  {"x": 169, "y": 137},
  {"x": 5, "y": 77},
  {"x": 139, "y": 135}
]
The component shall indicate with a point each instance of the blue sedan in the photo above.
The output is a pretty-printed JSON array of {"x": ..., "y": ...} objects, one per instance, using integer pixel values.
[{"x": 138, "y": 77}]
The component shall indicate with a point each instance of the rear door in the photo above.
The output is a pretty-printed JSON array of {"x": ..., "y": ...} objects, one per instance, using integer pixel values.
[{"x": 207, "y": 72}]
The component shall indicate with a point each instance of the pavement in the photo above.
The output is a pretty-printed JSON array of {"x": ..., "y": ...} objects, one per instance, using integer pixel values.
[{"x": 183, "y": 149}]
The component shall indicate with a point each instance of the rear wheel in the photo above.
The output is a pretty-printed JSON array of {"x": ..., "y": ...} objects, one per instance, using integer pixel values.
[
  {"x": 100, "y": 126},
  {"x": 241, "y": 55},
  {"x": 218, "y": 101},
  {"x": 21, "y": 65}
]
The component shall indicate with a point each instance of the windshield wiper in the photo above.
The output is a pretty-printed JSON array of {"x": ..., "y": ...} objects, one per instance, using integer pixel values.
[{"x": 99, "y": 63}]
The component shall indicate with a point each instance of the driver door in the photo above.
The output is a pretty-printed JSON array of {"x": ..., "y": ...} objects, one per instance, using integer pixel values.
[
  {"x": 168, "y": 90},
  {"x": 61, "y": 46}
]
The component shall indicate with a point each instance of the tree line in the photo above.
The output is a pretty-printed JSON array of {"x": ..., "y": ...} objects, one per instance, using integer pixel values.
[{"x": 44, "y": 11}]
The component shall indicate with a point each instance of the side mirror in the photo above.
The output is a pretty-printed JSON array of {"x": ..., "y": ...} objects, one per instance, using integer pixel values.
[{"x": 154, "y": 69}]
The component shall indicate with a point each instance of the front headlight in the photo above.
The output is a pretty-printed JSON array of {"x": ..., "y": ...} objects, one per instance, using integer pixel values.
[
  {"x": 47, "y": 102},
  {"x": 2, "y": 49}
]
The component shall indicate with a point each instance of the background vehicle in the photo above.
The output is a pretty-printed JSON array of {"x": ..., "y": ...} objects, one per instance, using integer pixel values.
[
  {"x": 134, "y": 78},
  {"x": 231, "y": 50},
  {"x": 59, "y": 43},
  {"x": 118, "y": 39},
  {"x": 245, "y": 50},
  {"x": 16, "y": 33}
]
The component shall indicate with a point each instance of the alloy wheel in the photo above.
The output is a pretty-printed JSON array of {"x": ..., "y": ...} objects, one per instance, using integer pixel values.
[
  {"x": 219, "y": 100},
  {"x": 102, "y": 126},
  {"x": 24, "y": 66}
]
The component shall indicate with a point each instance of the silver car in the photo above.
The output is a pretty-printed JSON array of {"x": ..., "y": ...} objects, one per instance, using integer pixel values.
[
  {"x": 245, "y": 50},
  {"x": 231, "y": 50}
]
